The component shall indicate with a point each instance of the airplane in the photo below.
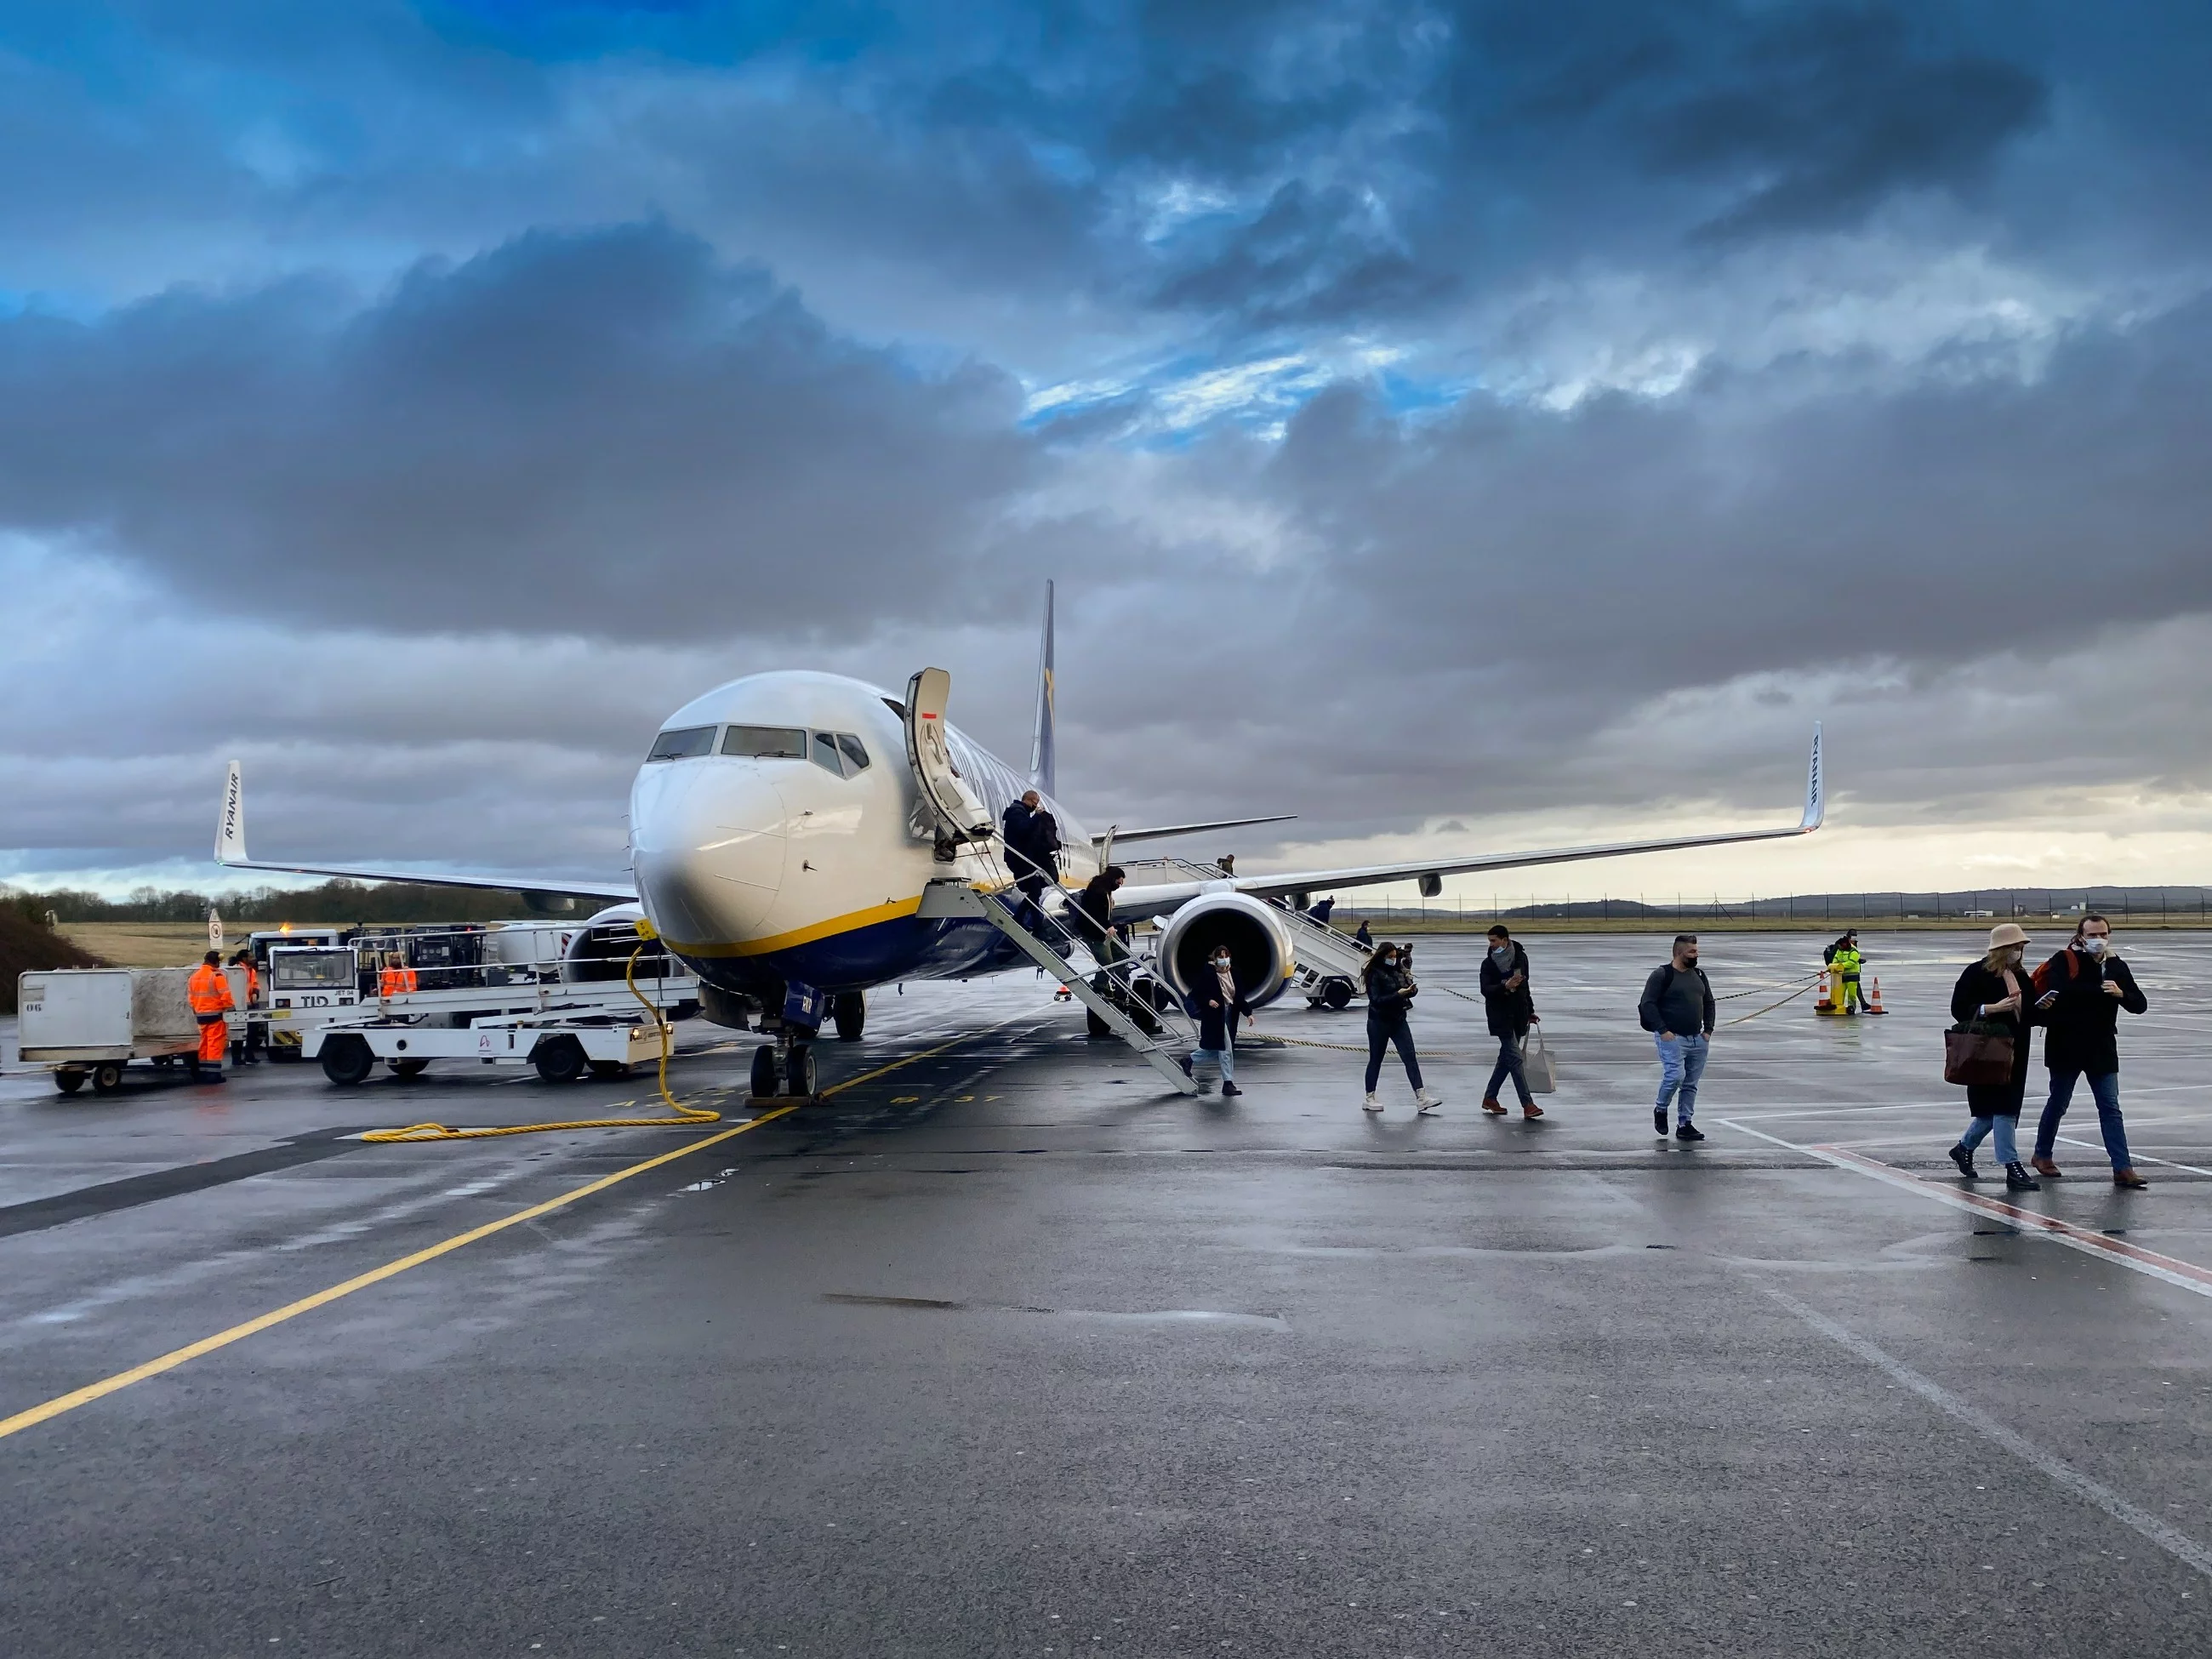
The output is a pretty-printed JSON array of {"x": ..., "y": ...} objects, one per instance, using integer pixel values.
[{"x": 795, "y": 837}]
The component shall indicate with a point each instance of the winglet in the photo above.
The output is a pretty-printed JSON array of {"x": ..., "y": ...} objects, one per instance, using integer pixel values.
[
  {"x": 1043, "y": 759},
  {"x": 230, "y": 827},
  {"x": 1816, "y": 791}
]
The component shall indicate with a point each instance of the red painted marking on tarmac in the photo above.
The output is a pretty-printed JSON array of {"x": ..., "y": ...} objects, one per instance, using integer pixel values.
[{"x": 2171, "y": 1268}]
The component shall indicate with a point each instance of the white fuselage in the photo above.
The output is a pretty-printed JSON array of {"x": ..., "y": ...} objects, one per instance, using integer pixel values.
[{"x": 759, "y": 869}]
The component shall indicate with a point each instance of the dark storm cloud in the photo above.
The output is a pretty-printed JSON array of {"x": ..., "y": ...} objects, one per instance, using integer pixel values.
[
  {"x": 1579, "y": 563},
  {"x": 1831, "y": 112},
  {"x": 1024, "y": 150},
  {"x": 609, "y": 433},
  {"x": 1310, "y": 255}
]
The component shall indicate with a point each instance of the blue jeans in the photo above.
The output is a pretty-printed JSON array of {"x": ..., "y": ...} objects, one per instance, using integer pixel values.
[
  {"x": 1380, "y": 1037},
  {"x": 2007, "y": 1149},
  {"x": 1681, "y": 1063},
  {"x": 1508, "y": 1064},
  {"x": 1226, "y": 1058},
  {"x": 2105, "y": 1089}
]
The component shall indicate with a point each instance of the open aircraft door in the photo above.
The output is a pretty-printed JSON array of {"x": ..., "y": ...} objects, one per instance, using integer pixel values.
[{"x": 960, "y": 815}]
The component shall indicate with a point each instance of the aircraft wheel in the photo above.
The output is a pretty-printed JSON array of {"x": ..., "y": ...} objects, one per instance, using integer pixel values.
[
  {"x": 850, "y": 1010},
  {"x": 560, "y": 1061},
  {"x": 107, "y": 1077},
  {"x": 68, "y": 1082},
  {"x": 409, "y": 1068},
  {"x": 800, "y": 1082},
  {"x": 765, "y": 1080},
  {"x": 1337, "y": 994},
  {"x": 347, "y": 1060}
]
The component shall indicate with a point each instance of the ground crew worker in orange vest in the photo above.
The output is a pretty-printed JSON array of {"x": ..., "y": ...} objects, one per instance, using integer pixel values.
[
  {"x": 399, "y": 980},
  {"x": 208, "y": 993},
  {"x": 256, "y": 1030}
]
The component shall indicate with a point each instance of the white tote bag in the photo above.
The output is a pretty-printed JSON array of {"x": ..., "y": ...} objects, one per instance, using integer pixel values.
[{"x": 1537, "y": 1064}]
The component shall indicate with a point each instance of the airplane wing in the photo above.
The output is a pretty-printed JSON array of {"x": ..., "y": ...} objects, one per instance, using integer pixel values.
[
  {"x": 1120, "y": 837},
  {"x": 230, "y": 851},
  {"x": 1133, "y": 902}
]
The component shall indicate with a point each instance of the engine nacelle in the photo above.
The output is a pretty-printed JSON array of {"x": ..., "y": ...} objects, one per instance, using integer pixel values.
[{"x": 1260, "y": 952}]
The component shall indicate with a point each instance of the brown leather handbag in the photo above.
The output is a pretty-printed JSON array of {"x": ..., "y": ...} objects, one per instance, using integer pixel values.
[{"x": 1977, "y": 1052}]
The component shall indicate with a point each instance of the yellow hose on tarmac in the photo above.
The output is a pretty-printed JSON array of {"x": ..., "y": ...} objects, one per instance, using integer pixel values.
[{"x": 684, "y": 1116}]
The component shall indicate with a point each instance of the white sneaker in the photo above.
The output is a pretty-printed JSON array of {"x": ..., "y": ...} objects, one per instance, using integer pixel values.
[
  {"x": 1428, "y": 1102},
  {"x": 1371, "y": 1104}
]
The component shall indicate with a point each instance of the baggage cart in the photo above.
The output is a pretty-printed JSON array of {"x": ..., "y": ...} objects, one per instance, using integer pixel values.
[{"x": 89, "y": 1024}]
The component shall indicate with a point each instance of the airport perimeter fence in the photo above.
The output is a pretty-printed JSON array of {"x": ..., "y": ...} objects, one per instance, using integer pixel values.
[{"x": 2166, "y": 907}]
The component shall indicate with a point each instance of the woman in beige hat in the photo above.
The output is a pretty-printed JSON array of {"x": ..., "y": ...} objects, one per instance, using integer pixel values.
[{"x": 1996, "y": 991}]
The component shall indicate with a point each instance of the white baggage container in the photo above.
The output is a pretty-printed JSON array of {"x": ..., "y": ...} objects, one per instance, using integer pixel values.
[{"x": 92, "y": 1022}]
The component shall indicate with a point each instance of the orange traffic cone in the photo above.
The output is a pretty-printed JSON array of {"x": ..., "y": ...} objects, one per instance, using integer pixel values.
[
  {"x": 1873, "y": 998},
  {"x": 1825, "y": 1003}
]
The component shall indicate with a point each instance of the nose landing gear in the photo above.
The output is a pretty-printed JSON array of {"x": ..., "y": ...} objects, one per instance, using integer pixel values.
[{"x": 785, "y": 1066}]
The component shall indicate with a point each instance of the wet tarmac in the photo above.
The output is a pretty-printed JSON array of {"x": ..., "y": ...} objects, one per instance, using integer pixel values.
[{"x": 1000, "y": 1350}]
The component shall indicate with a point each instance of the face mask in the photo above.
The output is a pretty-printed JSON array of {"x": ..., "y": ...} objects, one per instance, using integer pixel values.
[
  {"x": 1221, "y": 962},
  {"x": 2095, "y": 947},
  {"x": 1389, "y": 962},
  {"x": 1501, "y": 954}
]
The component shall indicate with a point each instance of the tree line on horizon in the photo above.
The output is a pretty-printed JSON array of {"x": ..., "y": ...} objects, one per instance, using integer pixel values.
[{"x": 337, "y": 901}]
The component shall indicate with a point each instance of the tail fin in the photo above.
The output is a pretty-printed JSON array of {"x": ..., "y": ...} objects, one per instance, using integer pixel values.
[
  {"x": 1044, "y": 765},
  {"x": 230, "y": 827}
]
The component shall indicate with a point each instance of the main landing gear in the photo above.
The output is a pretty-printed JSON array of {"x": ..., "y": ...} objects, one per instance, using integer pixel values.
[{"x": 849, "y": 1009}]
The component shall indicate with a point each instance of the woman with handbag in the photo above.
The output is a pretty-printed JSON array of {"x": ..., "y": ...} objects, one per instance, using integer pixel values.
[
  {"x": 1996, "y": 1014},
  {"x": 1511, "y": 1010}
]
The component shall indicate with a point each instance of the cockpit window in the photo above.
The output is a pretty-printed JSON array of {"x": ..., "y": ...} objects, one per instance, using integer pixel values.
[
  {"x": 683, "y": 742},
  {"x": 766, "y": 742},
  {"x": 825, "y": 753},
  {"x": 856, "y": 757}
]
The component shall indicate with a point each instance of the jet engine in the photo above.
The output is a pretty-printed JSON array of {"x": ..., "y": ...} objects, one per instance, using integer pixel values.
[{"x": 1260, "y": 953}]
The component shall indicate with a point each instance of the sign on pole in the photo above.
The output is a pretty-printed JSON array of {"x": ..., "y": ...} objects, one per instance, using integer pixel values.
[{"x": 215, "y": 928}]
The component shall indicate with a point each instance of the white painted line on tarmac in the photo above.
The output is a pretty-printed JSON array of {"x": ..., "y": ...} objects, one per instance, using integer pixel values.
[
  {"x": 2140, "y": 1156},
  {"x": 2182, "y": 1548},
  {"x": 2171, "y": 1270}
]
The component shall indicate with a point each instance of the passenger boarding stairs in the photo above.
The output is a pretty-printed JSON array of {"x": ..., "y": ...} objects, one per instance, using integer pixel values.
[{"x": 1052, "y": 945}]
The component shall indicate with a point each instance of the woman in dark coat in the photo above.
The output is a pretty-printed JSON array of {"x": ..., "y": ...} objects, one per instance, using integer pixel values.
[
  {"x": 1511, "y": 1010},
  {"x": 1391, "y": 991},
  {"x": 1995, "y": 992},
  {"x": 1215, "y": 1002}
]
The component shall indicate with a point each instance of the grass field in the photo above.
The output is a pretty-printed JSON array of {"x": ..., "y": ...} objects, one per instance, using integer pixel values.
[{"x": 144, "y": 943}]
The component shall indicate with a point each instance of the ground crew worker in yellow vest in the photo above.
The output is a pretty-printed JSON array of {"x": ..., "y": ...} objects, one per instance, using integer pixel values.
[
  {"x": 399, "y": 980},
  {"x": 1845, "y": 964},
  {"x": 208, "y": 992}
]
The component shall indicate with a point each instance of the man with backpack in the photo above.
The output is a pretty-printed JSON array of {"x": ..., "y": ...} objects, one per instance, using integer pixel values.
[
  {"x": 2078, "y": 994},
  {"x": 1677, "y": 1009}
]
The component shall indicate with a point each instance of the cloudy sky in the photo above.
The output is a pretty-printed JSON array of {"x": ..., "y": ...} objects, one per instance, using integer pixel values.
[{"x": 1470, "y": 424}]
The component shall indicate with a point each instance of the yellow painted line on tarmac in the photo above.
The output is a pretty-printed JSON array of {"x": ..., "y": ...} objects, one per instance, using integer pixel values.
[{"x": 61, "y": 1404}]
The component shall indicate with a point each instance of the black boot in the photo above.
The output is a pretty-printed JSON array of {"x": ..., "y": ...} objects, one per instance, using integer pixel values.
[
  {"x": 2017, "y": 1180},
  {"x": 1965, "y": 1159}
]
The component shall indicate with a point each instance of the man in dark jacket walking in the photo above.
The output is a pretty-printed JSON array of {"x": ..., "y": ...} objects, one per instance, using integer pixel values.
[
  {"x": 1677, "y": 1009},
  {"x": 1032, "y": 841},
  {"x": 1511, "y": 1010},
  {"x": 2078, "y": 994}
]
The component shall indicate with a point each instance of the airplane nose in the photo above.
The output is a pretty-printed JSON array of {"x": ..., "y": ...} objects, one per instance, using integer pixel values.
[{"x": 706, "y": 845}]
